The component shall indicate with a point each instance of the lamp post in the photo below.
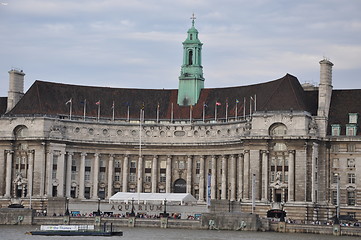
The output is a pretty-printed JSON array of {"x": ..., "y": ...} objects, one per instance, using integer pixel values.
[
  {"x": 98, "y": 211},
  {"x": 132, "y": 213},
  {"x": 67, "y": 207},
  {"x": 165, "y": 208}
]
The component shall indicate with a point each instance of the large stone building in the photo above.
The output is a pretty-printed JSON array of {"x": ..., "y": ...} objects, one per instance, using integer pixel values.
[{"x": 278, "y": 144}]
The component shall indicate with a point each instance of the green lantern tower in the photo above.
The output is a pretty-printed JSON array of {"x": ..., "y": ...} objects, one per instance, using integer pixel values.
[{"x": 191, "y": 80}]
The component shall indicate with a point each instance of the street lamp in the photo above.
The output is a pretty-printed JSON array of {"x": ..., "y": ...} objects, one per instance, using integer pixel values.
[
  {"x": 67, "y": 207},
  {"x": 98, "y": 211},
  {"x": 132, "y": 213},
  {"x": 165, "y": 208}
]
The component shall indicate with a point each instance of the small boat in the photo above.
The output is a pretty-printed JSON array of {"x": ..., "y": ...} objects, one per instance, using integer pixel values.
[{"x": 74, "y": 230}]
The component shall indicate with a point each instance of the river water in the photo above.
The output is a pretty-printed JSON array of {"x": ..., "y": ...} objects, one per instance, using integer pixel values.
[{"x": 18, "y": 233}]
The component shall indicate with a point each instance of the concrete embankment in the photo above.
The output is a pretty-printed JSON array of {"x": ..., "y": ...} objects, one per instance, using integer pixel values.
[{"x": 225, "y": 221}]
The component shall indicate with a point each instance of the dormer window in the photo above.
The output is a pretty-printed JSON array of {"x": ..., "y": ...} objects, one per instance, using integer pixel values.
[
  {"x": 352, "y": 118},
  {"x": 335, "y": 129},
  {"x": 350, "y": 129}
]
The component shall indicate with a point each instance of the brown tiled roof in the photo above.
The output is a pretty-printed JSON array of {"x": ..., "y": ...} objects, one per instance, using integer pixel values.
[
  {"x": 344, "y": 102},
  {"x": 49, "y": 98},
  {"x": 3, "y": 104}
]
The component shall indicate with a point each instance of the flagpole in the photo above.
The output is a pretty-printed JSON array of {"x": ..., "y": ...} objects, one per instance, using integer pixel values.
[
  {"x": 171, "y": 114},
  {"x": 204, "y": 110},
  {"x": 215, "y": 112},
  {"x": 128, "y": 112},
  {"x": 157, "y": 112},
  {"x": 236, "y": 112},
  {"x": 250, "y": 106},
  {"x": 98, "y": 110},
  {"x": 227, "y": 111},
  {"x": 255, "y": 102},
  {"x": 71, "y": 107},
  {"x": 113, "y": 111},
  {"x": 84, "y": 109},
  {"x": 190, "y": 113},
  {"x": 244, "y": 108}
]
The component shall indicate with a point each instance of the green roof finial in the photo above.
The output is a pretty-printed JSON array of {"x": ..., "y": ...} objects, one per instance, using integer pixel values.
[{"x": 193, "y": 17}]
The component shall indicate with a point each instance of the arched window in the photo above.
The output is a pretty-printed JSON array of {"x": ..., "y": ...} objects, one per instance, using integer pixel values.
[
  {"x": 278, "y": 129},
  {"x": 20, "y": 132},
  {"x": 190, "y": 57},
  {"x": 191, "y": 37}
]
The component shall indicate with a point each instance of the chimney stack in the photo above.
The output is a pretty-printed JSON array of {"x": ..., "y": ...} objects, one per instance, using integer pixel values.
[
  {"x": 325, "y": 88},
  {"x": 16, "y": 88}
]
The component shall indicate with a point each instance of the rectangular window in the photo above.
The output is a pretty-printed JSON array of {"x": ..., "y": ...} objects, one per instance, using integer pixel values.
[
  {"x": 350, "y": 162},
  {"x": 351, "y": 178},
  {"x": 117, "y": 164},
  {"x": 350, "y": 130},
  {"x": 351, "y": 198},
  {"x": 352, "y": 118},
  {"x": 148, "y": 164},
  {"x": 335, "y": 129},
  {"x": 198, "y": 167},
  {"x": 162, "y": 178},
  {"x": 132, "y": 177},
  {"x": 334, "y": 148},
  {"x": 351, "y": 147},
  {"x": 334, "y": 197},
  {"x": 133, "y": 164},
  {"x": 148, "y": 178},
  {"x": 117, "y": 176},
  {"x": 335, "y": 163},
  {"x": 87, "y": 176}
]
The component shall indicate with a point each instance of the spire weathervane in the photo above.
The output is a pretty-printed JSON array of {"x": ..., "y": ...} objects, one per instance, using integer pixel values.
[{"x": 193, "y": 17}]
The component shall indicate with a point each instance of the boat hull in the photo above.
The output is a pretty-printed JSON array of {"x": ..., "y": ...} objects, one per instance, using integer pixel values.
[{"x": 75, "y": 233}]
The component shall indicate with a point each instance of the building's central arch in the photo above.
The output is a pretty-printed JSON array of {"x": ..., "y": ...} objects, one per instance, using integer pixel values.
[{"x": 180, "y": 186}]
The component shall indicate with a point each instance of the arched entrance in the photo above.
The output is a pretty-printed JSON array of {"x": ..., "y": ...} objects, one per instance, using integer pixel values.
[{"x": 180, "y": 186}]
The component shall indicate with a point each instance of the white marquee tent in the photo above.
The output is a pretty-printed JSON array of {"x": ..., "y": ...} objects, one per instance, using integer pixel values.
[{"x": 182, "y": 198}]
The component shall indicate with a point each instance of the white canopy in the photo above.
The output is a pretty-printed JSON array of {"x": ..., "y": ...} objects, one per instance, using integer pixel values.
[{"x": 152, "y": 197}]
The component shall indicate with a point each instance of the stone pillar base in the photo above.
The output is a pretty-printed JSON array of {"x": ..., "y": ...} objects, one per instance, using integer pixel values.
[
  {"x": 336, "y": 230},
  {"x": 131, "y": 222},
  {"x": 163, "y": 222},
  {"x": 281, "y": 227}
]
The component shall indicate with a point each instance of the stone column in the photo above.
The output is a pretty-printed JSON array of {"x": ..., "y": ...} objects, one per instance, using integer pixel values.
[
  {"x": 291, "y": 175},
  {"x": 214, "y": 177},
  {"x": 232, "y": 176},
  {"x": 246, "y": 174},
  {"x": 96, "y": 175},
  {"x": 154, "y": 174},
  {"x": 9, "y": 164},
  {"x": 82, "y": 176},
  {"x": 168, "y": 180},
  {"x": 224, "y": 178},
  {"x": 40, "y": 158},
  {"x": 110, "y": 175},
  {"x": 125, "y": 173},
  {"x": 49, "y": 159},
  {"x": 30, "y": 172},
  {"x": 189, "y": 174},
  {"x": 140, "y": 175},
  {"x": 265, "y": 175},
  {"x": 69, "y": 162},
  {"x": 60, "y": 174},
  {"x": 314, "y": 169},
  {"x": 240, "y": 173},
  {"x": 201, "y": 179}
]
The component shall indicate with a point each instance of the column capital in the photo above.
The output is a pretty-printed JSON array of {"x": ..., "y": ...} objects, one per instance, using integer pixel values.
[
  {"x": 83, "y": 154},
  {"x": 96, "y": 154},
  {"x": 265, "y": 151},
  {"x": 245, "y": 151},
  {"x": 155, "y": 157},
  {"x": 291, "y": 151},
  {"x": 111, "y": 155},
  {"x": 169, "y": 156},
  {"x": 9, "y": 151},
  {"x": 126, "y": 155},
  {"x": 241, "y": 155},
  {"x": 201, "y": 156},
  {"x": 70, "y": 153},
  {"x": 189, "y": 156}
]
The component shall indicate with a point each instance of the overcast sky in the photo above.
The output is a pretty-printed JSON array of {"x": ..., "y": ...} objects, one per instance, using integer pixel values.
[{"x": 138, "y": 43}]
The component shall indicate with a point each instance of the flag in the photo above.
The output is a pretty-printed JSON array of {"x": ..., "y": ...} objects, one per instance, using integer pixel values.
[
  {"x": 205, "y": 105},
  {"x": 237, "y": 101},
  {"x": 69, "y": 101},
  {"x": 113, "y": 105},
  {"x": 113, "y": 114},
  {"x": 98, "y": 103},
  {"x": 142, "y": 107},
  {"x": 70, "y": 107},
  {"x": 218, "y": 103},
  {"x": 84, "y": 110}
]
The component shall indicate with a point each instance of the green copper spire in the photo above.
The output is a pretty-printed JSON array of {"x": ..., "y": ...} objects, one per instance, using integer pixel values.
[{"x": 191, "y": 80}]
